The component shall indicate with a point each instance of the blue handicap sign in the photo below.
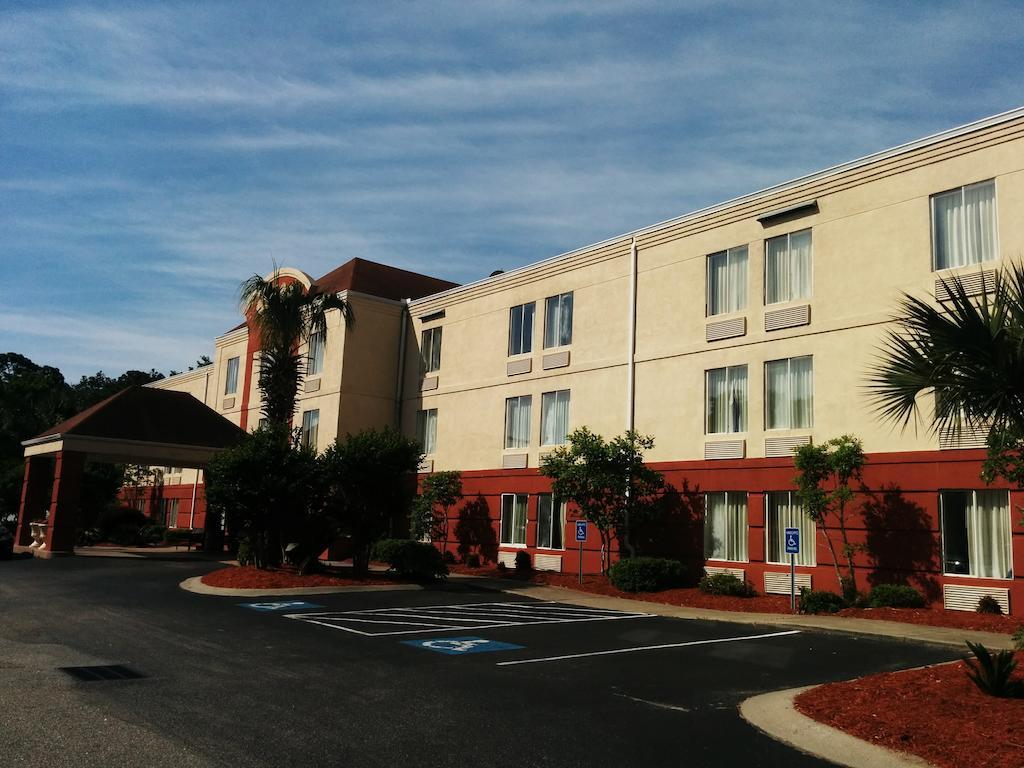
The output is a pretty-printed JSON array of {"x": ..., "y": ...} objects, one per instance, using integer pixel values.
[
  {"x": 792, "y": 541},
  {"x": 581, "y": 530},
  {"x": 281, "y": 605},
  {"x": 457, "y": 646}
]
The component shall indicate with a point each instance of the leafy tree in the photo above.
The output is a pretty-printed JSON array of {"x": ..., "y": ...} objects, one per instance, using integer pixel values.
[
  {"x": 370, "y": 479},
  {"x": 823, "y": 488},
  {"x": 202, "y": 362},
  {"x": 93, "y": 389},
  {"x": 282, "y": 314},
  {"x": 439, "y": 492},
  {"x": 607, "y": 481}
]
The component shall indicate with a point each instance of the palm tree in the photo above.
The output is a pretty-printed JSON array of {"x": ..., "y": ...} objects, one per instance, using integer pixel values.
[
  {"x": 968, "y": 351},
  {"x": 282, "y": 314}
]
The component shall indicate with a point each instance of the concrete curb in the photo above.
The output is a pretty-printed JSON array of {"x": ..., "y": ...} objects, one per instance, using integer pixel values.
[
  {"x": 775, "y": 715},
  {"x": 195, "y": 584},
  {"x": 915, "y": 633}
]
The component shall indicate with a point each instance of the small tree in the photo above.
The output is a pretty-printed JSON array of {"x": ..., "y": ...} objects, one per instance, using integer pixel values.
[
  {"x": 607, "y": 481},
  {"x": 439, "y": 492},
  {"x": 823, "y": 488},
  {"x": 370, "y": 481}
]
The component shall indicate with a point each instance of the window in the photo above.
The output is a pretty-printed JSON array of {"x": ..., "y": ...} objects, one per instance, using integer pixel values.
[
  {"x": 513, "y": 519},
  {"x": 789, "y": 393},
  {"x": 976, "y": 534},
  {"x": 315, "y": 362},
  {"x": 310, "y": 426},
  {"x": 550, "y": 522},
  {"x": 558, "y": 320},
  {"x": 787, "y": 267},
  {"x": 554, "y": 417},
  {"x": 517, "y": 421},
  {"x": 727, "y": 281},
  {"x": 784, "y": 512},
  {"x": 169, "y": 512},
  {"x": 231, "y": 381},
  {"x": 726, "y": 400},
  {"x": 725, "y": 526},
  {"x": 431, "y": 350},
  {"x": 964, "y": 226},
  {"x": 520, "y": 329},
  {"x": 426, "y": 429}
]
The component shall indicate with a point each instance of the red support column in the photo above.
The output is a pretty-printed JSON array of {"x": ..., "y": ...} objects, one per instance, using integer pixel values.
[
  {"x": 35, "y": 497},
  {"x": 67, "y": 486}
]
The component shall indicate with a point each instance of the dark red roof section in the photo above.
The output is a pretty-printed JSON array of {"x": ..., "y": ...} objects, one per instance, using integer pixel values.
[
  {"x": 152, "y": 416},
  {"x": 380, "y": 280}
]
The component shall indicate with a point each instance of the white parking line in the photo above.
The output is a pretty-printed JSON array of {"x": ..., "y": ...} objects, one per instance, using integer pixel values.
[{"x": 646, "y": 648}]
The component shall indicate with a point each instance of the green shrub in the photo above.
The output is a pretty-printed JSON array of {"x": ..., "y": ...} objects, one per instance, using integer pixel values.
[
  {"x": 414, "y": 559},
  {"x": 726, "y": 584},
  {"x": 87, "y": 537},
  {"x": 646, "y": 574},
  {"x": 152, "y": 533},
  {"x": 449, "y": 558},
  {"x": 820, "y": 602},
  {"x": 245, "y": 554},
  {"x": 992, "y": 673},
  {"x": 523, "y": 564},
  {"x": 473, "y": 560},
  {"x": 895, "y": 596},
  {"x": 1018, "y": 638},
  {"x": 988, "y": 604}
]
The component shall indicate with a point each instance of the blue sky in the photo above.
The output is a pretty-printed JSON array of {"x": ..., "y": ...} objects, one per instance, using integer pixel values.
[{"x": 152, "y": 156}]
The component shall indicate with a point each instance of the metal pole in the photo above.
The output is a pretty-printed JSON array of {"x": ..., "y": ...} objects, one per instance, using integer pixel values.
[
  {"x": 581, "y": 562},
  {"x": 792, "y": 582}
]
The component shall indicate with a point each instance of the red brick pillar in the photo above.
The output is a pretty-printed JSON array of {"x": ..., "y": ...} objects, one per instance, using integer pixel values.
[
  {"x": 67, "y": 486},
  {"x": 35, "y": 497}
]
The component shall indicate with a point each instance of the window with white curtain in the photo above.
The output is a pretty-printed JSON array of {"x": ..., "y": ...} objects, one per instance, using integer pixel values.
[
  {"x": 726, "y": 400},
  {"x": 787, "y": 267},
  {"x": 231, "y": 379},
  {"x": 315, "y": 360},
  {"x": 550, "y": 522},
  {"x": 517, "y": 421},
  {"x": 781, "y": 512},
  {"x": 310, "y": 427},
  {"x": 727, "y": 281},
  {"x": 426, "y": 430},
  {"x": 169, "y": 510},
  {"x": 554, "y": 417},
  {"x": 976, "y": 536},
  {"x": 964, "y": 225},
  {"x": 430, "y": 349},
  {"x": 520, "y": 329},
  {"x": 558, "y": 320},
  {"x": 725, "y": 526},
  {"x": 789, "y": 393},
  {"x": 513, "y": 519}
]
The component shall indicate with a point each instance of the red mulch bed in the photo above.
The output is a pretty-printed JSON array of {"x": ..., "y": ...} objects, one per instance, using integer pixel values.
[
  {"x": 248, "y": 577},
  {"x": 935, "y": 713},
  {"x": 692, "y": 597}
]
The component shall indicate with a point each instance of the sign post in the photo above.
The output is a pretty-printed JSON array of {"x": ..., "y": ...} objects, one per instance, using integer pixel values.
[
  {"x": 792, "y": 549},
  {"x": 581, "y": 536}
]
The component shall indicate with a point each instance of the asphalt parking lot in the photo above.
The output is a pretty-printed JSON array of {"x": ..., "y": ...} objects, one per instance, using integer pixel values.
[{"x": 450, "y": 677}]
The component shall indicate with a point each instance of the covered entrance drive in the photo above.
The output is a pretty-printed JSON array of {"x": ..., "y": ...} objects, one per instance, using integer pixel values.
[{"x": 139, "y": 425}]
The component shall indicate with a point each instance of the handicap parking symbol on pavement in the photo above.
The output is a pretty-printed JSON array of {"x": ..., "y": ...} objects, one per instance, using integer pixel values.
[
  {"x": 284, "y": 605},
  {"x": 456, "y": 646}
]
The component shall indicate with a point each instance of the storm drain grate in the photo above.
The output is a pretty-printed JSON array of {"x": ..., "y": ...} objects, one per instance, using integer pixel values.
[{"x": 110, "y": 672}]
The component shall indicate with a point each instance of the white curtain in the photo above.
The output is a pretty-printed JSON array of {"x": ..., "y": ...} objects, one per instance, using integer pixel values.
[
  {"x": 517, "y": 421},
  {"x": 777, "y": 270},
  {"x": 716, "y": 407},
  {"x": 947, "y": 232},
  {"x": 558, "y": 320},
  {"x": 519, "y": 520},
  {"x": 801, "y": 383},
  {"x": 784, "y": 512},
  {"x": 554, "y": 417},
  {"x": 315, "y": 363},
  {"x": 988, "y": 535},
  {"x": 788, "y": 269},
  {"x": 727, "y": 281},
  {"x": 789, "y": 393},
  {"x": 727, "y": 400},
  {"x": 800, "y": 264},
  {"x": 565, "y": 320},
  {"x": 980, "y": 222},
  {"x": 725, "y": 526},
  {"x": 426, "y": 430},
  {"x": 776, "y": 377},
  {"x": 550, "y": 522}
]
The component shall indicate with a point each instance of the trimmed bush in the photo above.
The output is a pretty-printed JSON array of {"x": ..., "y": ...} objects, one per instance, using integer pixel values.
[
  {"x": 988, "y": 604},
  {"x": 895, "y": 596},
  {"x": 414, "y": 559},
  {"x": 646, "y": 574},
  {"x": 473, "y": 561},
  {"x": 726, "y": 584},
  {"x": 153, "y": 533},
  {"x": 1018, "y": 638},
  {"x": 820, "y": 602},
  {"x": 523, "y": 564}
]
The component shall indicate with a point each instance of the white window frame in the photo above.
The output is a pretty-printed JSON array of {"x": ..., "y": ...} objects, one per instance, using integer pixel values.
[
  {"x": 942, "y": 532},
  {"x": 316, "y": 353},
  {"x": 554, "y": 306},
  {"x": 730, "y": 254},
  {"x": 810, "y": 278},
  {"x": 746, "y": 524},
  {"x": 557, "y": 394},
  {"x": 728, "y": 385},
  {"x": 430, "y": 349},
  {"x": 804, "y": 540},
  {"x": 231, "y": 376},
  {"x": 558, "y": 511},
  {"x": 995, "y": 224},
  {"x": 512, "y": 527},
  {"x": 525, "y": 340},
  {"x": 789, "y": 371},
  {"x": 310, "y": 431},
  {"x": 525, "y": 440},
  {"x": 426, "y": 426}
]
